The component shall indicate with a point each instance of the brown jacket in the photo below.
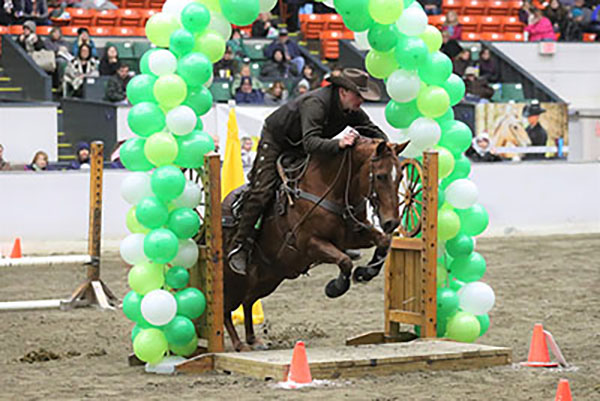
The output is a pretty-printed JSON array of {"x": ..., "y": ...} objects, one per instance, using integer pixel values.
[{"x": 307, "y": 123}]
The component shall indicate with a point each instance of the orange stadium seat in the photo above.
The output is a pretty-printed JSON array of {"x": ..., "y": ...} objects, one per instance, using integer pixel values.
[
  {"x": 334, "y": 22},
  {"x": 118, "y": 3},
  {"x": 314, "y": 25},
  {"x": 471, "y": 36},
  {"x": 136, "y": 3},
  {"x": 492, "y": 36},
  {"x": 81, "y": 17},
  {"x": 101, "y": 31},
  {"x": 474, "y": 7},
  {"x": 129, "y": 17},
  {"x": 453, "y": 5},
  {"x": 514, "y": 7},
  {"x": 437, "y": 20},
  {"x": 3, "y": 30},
  {"x": 139, "y": 32},
  {"x": 43, "y": 30},
  {"x": 69, "y": 30},
  {"x": 589, "y": 37},
  {"x": 514, "y": 37},
  {"x": 123, "y": 31},
  {"x": 498, "y": 7},
  {"x": 330, "y": 45},
  {"x": 146, "y": 14},
  {"x": 156, "y": 4},
  {"x": 490, "y": 23},
  {"x": 107, "y": 18},
  {"x": 15, "y": 29},
  {"x": 469, "y": 23},
  {"x": 512, "y": 24}
]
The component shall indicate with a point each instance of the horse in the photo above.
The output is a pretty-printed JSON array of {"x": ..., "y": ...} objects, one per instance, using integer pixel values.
[
  {"x": 327, "y": 215},
  {"x": 509, "y": 132}
]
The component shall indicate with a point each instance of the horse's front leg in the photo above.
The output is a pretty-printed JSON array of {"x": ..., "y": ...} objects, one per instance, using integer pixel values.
[
  {"x": 326, "y": 252},
  {"x": 363, "y": 274}
]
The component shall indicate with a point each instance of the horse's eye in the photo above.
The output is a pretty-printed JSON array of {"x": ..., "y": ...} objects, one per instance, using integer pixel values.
[{"x": 382, "y": 177}]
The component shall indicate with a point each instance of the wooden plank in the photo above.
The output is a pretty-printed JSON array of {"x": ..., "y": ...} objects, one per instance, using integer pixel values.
[
  {"x": 409, "y": 299},
  {"x": 401, "y": 316},
  {"x": 415, "y": 244},
  {"x": 199, "y": 364},
  {"x": 429, "y": 262},
  {"x": 95, "y": 206}
]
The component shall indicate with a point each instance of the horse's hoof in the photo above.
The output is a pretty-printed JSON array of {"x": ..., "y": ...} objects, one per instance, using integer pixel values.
[
  {"x": 258, "y": 345},
  {"x": 334, "y": 289},
  {"x": 241, "y": 347},
  {"x": 362, "y": 275}
]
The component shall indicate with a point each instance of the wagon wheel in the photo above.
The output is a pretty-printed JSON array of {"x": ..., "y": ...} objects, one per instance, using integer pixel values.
[{"x": 411, "y": 198}]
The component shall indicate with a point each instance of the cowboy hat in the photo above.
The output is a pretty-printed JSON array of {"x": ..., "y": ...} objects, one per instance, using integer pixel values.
[
  {"x": 357, "y": 81},
  {"x": 533, "y": 110}
]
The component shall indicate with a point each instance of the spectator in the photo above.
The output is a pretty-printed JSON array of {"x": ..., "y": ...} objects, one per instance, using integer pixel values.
[
  {"x": 62, "y": 56},
  {"x": 558, "y": 16},
  {"x": 478, "y": 90},
  {"x": 276, "y": 95},
  {"x": 245, "y": 71},
  {"x": 308, "y": 73},
  {"x": 7, "y": 12},
  {"x": 526, "y": 12},
  {"x": 452, "y": 25},
  {"x": 83, "y": 37},
  {"x": 28, "y": 39},
  {"x": 450, "y": 47},
  {"x": 302, "y": 87},
  {"x": 263, "y": 27},
  {"x": 82, "y": 157},
  {"x": 39, "y": 162},
  {"x": 582, "y": 16},
  {"x": 335, "y": 71},
  {"x": 293, "y": 21},
  {"x": 248, "y": 155},
  {"x": 116, "y": 87},
  {"x": 246, "y": 94},
  {"x": 460, "y": 64},
  {"x": 481, "y": 151},
  {"x": 537, "y": 134},
  {"x": 81, "y": 67},
  {"x": 278, "y": 67},
  {"x": 33, "y": 10},
  {"x": 540, "y": 28},
  {"x": 110, "y": 61},
  {"x": 594, "y": 25},
  {"x": 290, "y": 49},
  {"x": 488, "y": 68},
  {"x": 432, "y": 7},
  {"x": 228, "y": 66},
  {"x": 4, "y": 165},
  {"x": 236, "y": 42}
]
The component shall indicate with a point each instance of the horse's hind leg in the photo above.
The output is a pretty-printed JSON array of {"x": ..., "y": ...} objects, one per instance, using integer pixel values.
[
  {"x": 328, "y": 253},
  {"x": 238, "y": 345},
  {"x": 251, "y": 339}
]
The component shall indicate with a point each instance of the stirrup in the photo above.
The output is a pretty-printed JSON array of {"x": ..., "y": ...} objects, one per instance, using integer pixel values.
[{"x": 235, "y": 251}]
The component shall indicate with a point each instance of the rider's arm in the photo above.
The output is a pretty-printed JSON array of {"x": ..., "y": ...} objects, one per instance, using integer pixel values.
[
  {"x": 363, "y": 124},
  {"x": 312, "y": 118}
]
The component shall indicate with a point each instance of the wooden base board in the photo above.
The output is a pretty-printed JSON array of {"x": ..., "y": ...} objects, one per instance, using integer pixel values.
[{"x": 333, "y": 363}]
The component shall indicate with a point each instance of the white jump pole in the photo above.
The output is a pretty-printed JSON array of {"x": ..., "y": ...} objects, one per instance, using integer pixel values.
[
  {"x": 46, "y": 260},
  {"x": 24, "y": 305}
]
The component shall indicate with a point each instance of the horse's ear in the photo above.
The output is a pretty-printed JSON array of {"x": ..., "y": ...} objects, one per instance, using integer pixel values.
[
  {"x": 399, "y": 147},
  {"x": 381, "y": 148}
]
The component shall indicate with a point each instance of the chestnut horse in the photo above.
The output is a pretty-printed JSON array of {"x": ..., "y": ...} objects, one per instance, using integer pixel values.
[{"x": 328, "y": 216}]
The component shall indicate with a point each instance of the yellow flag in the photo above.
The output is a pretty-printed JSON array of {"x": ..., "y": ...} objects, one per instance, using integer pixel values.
[{"x": 232, "y": 174}]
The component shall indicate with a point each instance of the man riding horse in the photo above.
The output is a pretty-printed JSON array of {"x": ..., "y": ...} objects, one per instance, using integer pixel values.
[{"x": 306, "y": 124}]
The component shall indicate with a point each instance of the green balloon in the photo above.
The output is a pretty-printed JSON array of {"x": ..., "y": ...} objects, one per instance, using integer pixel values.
[
  {"x": 455, "y": 284},
  {"x": 132, "y": 306},
  {"x": 436, "y": 69},
  {"x": 161, "y": 149},
  {"x": 185, "y": 350},
  {"x": 441, "y": 198},
  {"x": 146, "y": 118},
  {"x": 461, "y": 245},
  {"x": 135, "y": 331},
  {"x": 468, "y": 268},
  {"x": 167, "y": 182},
  {"x": 190, "y": 303},
  {"x": 200, "y": 100},
  {"x": 144, "y": 67},
  {"x": 145, "y": 277},
  {"x": 355, "y": 14},
  {"x": 192, "y": 148},
  {"x": 240, "y": 12},
  {"x": 473, "y": 220},
  {"x": 132, "y": 223},
  {"x": 463, "y": 327},
  {"x": 455, "y": 87},
  {"x": 484, "y": 323},
  {"x": 410, "y": 52},
  {"x": 161, "y": 245},
  {"x": 433, "y": 101},
  {"x": 151, "y": 212},
  {"x": 177, "y": 277},
  {"x": 447, "y": 302},
  {"x": 380, "y": 65},
  {"x": 195, "y": 69},
  {"x": 132, "y": 155},
  {"x": 447, "y": 116},
  {"x": 199, "y": 125},
  {"x": 442, "y": 276},
  {"x": 170, "y": 90},
  {"x": 462, "y": 167},
  {"x": 211, "y": 44},
  {"x": 184, "y": 222},
  {"x": 180, "y": 331},
  {"x": 401, "y": 115},
  {"x": 383, "y": 38},
  {"x": 160, "y": 27},
  {"x": 358, "y": 22},
  {"x": 385, "y": 11},
  {"x": 432, "y": 38},
  {"x": 181, "y": 42},
  {"x": 150, "y": 345},
  {"x": 195, "y": 17},
  {"x": 448, "y": 224},
  {"x": 141, "y": 89},
  {"x": 445, "y": 260},
  {"x": 445, "y": 162},
  {"x": 456, "y": 137}
]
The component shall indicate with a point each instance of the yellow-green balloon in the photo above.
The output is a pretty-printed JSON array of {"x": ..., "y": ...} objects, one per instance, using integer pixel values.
[
  {"x": 212, "y": 5},
  {"x": 159, "y": 28},
  {"x": 385, "y": 11},
  {"x": 170, "y": 90},
  {"x": 464, "y": 327},
  {"x": 448, "y": 224},
  {"x": 146, "y": 277},
  {"x": 211, "y": 44},
  {"x": 380, "y": 65},
  {"x": 150, "y": 345},
  {"x": 432, "y": 38},
  {"x": 161, "y": 149},
  {"x": 132, "y": 223},
  {"x": 433, "y": 101},
  {"x": 445, "y": 162},
  {"x": 185, "y": 350}
]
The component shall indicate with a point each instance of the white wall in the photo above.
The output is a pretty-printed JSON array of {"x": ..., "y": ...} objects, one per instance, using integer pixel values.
[{"x": 25, "y": 130}]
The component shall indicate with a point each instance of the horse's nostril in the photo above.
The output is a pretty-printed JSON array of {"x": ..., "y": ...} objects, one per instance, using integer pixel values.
[{"x": 390, "y": 225}]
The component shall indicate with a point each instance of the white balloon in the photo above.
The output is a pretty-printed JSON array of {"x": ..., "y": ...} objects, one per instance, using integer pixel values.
[
  {"x": 187, "y": 255},
  {"x": 135, "y": 187},
  {"x": 220, "y": 24},
  {"x": 328, "y": 3},
  {"x": 411, "y": 151},
  {"x": 181, "y": 120},
  {"x": 477, "y": 298},
  {"x": 412, "y": 22},
  {"x": 132, "y": 249},
  {"x": 462, "y": 193},
  {"x": 266, "y": 5},
  {"x": 191, "y": 196},
  {"x": 361, "y": 41},
  {"x": 158, "y": 307},
  {"x": 175, "y": 7},
  {"x": 162, "y": 62},
  {"x": 403, "y": 86},
  {"x": 424, "y": 133}
]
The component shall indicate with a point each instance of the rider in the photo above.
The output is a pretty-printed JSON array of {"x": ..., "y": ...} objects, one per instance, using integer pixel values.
[{"x": 306, "y": 124}]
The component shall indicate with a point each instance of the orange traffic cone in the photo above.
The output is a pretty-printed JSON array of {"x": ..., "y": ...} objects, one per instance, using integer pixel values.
[
  {"x": 16, "y": 251},
  {"x": 563, "y": 392},
  {"x": 299, "y": 369},
  {"x": 538, "y": 350}
]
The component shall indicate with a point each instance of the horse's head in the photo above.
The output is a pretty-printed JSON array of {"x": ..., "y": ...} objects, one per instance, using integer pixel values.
[
  {"x": 385, "y": 175},
  {"x": 509, "y": 131}
]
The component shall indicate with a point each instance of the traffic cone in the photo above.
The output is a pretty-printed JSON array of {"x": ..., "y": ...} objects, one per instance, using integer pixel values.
[
  {"x": 563, "y": 392},
  {"x": 16, "y": 251},
  {"x": 299, "y": 369},
  {"x": 538, "y": 350}
]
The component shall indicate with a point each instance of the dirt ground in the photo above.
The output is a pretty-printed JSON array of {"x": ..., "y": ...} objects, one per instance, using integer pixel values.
[{"x": 554, "y": 280}]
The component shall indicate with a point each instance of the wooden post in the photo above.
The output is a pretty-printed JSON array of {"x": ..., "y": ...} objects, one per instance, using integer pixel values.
[{"x": 429, "y": 252}]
